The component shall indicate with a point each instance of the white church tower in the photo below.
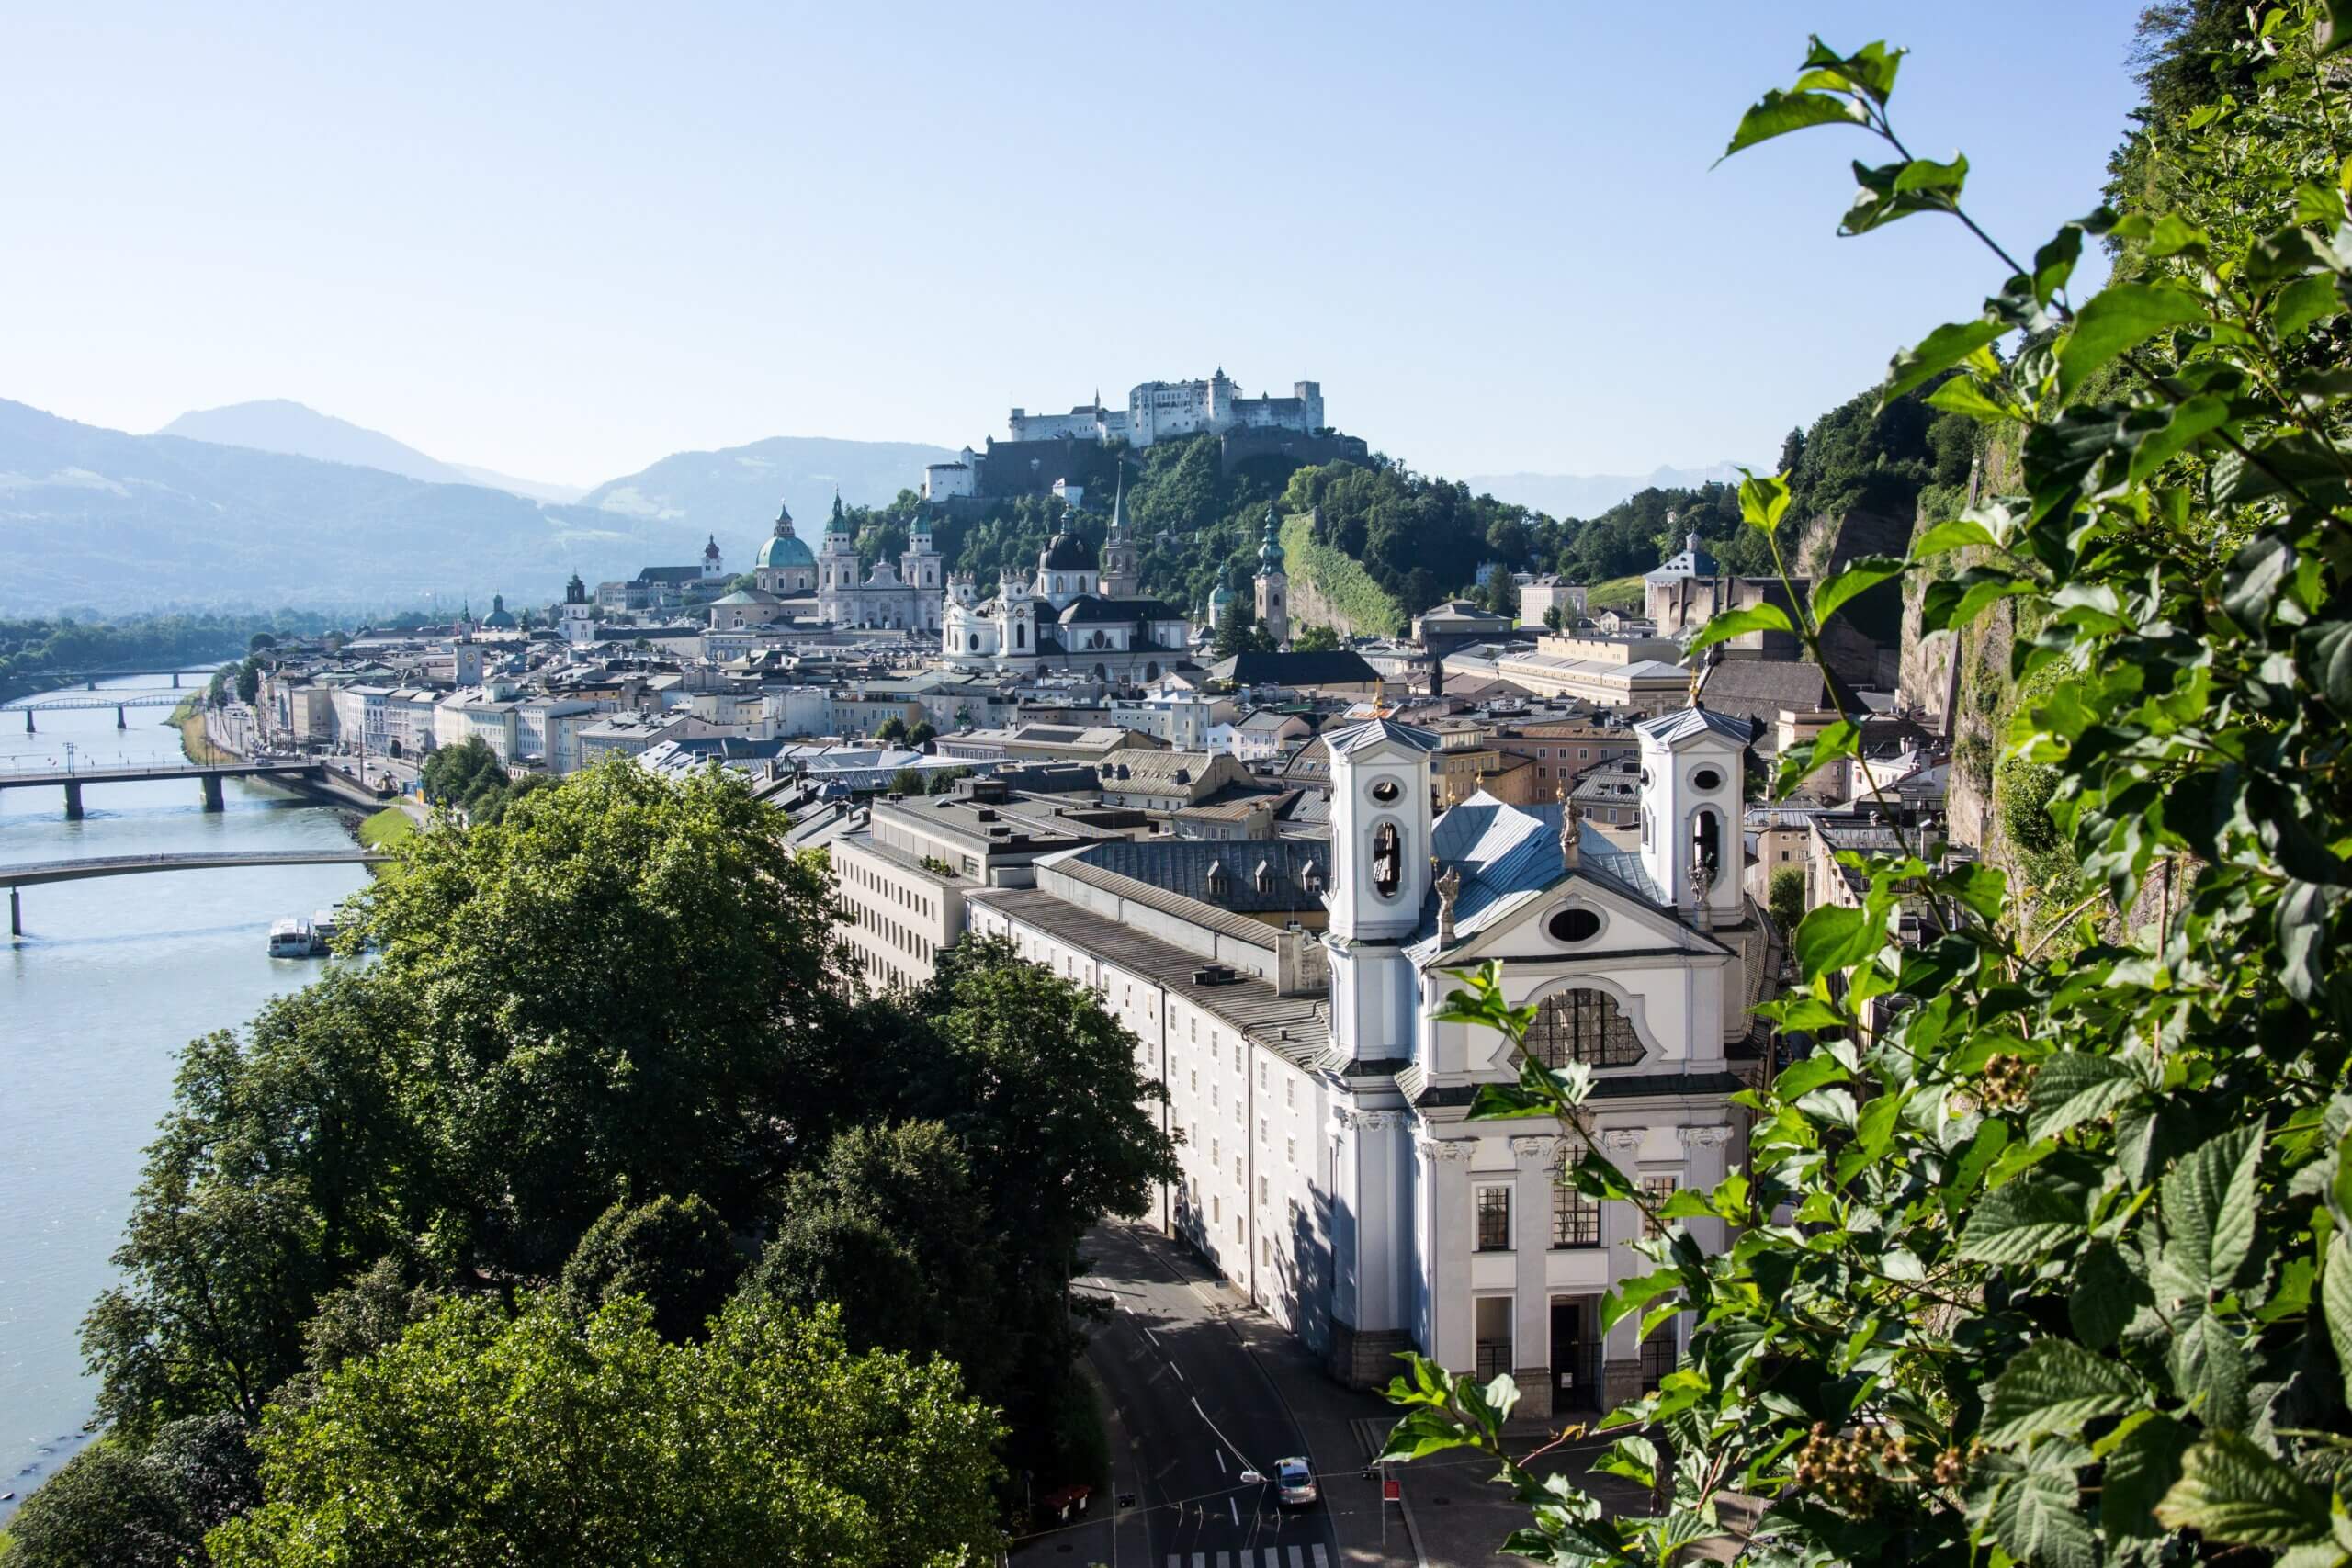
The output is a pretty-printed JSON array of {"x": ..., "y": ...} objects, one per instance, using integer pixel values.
[
  {"x": 1691, "y": 804},
  {"x": 1380, "y": 874}
]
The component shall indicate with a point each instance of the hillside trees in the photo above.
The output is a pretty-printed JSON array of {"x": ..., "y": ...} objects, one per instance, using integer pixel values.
[{"x": 2045, "y": 1253}]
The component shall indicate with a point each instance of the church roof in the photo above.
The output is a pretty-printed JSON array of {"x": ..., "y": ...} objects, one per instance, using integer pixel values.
[
  {"x": 1683, "y": 723},
  {"x": 1068, "y": 552},
  {"x": 1348, "y": 739},
  {"x": 1693, "y": 562},
  {"x": 746, "y": 596},
  {"x": 784, "y": 550},
  {"x": 1509, "y": 856},
  {"x": 1089, "y": 608}
]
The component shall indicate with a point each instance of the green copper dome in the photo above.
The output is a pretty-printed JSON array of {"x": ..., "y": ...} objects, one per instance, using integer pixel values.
[
  {"x": 783, "y": 549},
  {"x": 1270, "y": 553}
]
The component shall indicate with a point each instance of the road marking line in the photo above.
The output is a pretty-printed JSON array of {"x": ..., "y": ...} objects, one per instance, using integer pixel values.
[
  {"x": 1224, "y": 1560},
  {"x": 1318, "y": 1556},
  {"x": 1220, "y": 1461},
  {"x": 1200, "y": 1560},
  {"x": 1177, "y": 1370},
  {"x": 1236, "y": 1512},
  {"x": 1147, "y": 1334}
]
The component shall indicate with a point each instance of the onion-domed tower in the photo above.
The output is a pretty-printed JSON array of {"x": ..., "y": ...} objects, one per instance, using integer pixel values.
[
  {"x": 1274, "y": 583},
  {"x": 785, "y": 564}
]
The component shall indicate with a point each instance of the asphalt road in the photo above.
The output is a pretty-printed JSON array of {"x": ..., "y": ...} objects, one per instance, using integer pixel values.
[{"x": 1200, "y": 1411}]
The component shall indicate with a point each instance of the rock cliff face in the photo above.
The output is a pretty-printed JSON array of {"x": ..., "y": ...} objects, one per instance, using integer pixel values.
[
  {"x": 1308, "y": 607},
  {"x": 1863, "y": 643}
]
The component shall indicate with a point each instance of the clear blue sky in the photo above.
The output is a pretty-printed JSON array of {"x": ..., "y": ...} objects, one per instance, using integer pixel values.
[{"x": 562, "y": 240}]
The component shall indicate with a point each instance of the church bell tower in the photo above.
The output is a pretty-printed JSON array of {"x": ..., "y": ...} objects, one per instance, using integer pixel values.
[{"x": 1273, "y": 584}]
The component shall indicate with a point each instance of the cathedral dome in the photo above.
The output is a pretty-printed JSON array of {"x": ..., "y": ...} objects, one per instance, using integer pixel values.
[
  {"x": 1068, "y": 552},
  {"x": 782, "y": 549}
]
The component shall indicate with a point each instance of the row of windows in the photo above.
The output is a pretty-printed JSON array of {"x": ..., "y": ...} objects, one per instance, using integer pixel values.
[
  {"x": 896, "y": 893},
  {"x": 891, "y": 932},
  {"x": 1575, "y": 1219}
]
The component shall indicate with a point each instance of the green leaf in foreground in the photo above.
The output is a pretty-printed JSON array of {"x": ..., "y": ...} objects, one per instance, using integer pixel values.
[
  {"x": 2231, "y": 1491},
  {"x": 2055, "y": 1385}
]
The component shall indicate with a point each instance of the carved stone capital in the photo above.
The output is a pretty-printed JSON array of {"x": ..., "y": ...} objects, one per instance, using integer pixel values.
[
  {"x": 1455, "y": 1151},
  {"x": 1713, "y": 1137},
  {"x": 1379, "y": 1120},
  {"x": 1543, "y": 1150},
  {"x": 1623, "y": 1138}
]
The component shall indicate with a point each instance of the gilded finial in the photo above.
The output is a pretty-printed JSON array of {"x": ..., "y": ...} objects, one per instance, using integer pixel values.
[{"x": 1449, "y": 890}]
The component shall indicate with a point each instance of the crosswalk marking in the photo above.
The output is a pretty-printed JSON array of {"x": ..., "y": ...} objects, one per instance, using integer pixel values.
[
  {"x": 1319, "y": 1559},
  {"x": 1248, "y": 1557}
]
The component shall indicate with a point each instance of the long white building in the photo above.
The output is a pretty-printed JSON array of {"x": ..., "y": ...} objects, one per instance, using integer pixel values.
[
  {"x": 1287, "y": 992},
  {"x": 1161, "y": 410}
]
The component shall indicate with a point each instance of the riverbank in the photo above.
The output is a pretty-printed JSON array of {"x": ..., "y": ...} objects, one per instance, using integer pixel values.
[{"x": 196, "y": 745}]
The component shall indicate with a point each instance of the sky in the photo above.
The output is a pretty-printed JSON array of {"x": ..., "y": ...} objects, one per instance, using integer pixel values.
[{"x": 564, "y": 241}]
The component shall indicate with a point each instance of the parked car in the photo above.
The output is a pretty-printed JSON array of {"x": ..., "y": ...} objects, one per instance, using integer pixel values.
[{"x": 1294, "y": 1483}]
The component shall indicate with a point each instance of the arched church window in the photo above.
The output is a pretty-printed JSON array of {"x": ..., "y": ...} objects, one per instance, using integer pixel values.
[
  {"x": 976, "y": 642},
  {"x": 1583, "y": 1026},
  {"x": 1387, "y": 860},
  {"x": 1707, "y": 837},
  {"x": 1020, "y": 634}
]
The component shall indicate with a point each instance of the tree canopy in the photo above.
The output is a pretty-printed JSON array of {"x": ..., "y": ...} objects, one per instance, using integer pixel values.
[{"x": 481, "y": 1437}]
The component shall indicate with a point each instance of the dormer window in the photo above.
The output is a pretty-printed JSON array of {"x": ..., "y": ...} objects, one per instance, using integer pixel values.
[
  {"x": 1219, "y": 884},
  {"x": 1264, "y": 877}
]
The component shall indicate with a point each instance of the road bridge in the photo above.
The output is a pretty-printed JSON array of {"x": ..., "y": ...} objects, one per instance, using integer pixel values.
[
  {"x": 14, "y": 877},
  {"x": 138, "y": 699},
  {"x": 296, "y": 770}
]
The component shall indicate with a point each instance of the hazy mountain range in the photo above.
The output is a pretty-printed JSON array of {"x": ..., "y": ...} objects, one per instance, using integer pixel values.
[
  {"x": 1589, "y": 495},
  {"x": 269, "y": 504},
  {"x": 278, "y": 426}
]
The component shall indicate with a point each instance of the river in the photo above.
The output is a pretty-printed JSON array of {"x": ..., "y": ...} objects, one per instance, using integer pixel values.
[{"x": 112, "y": 976}]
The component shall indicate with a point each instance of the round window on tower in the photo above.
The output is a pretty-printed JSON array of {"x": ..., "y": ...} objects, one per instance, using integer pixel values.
[
  {"x": 1386, "y": 791},
  {"x": 1706, "y": 778},
  {"x": 1574, "y": 925}
]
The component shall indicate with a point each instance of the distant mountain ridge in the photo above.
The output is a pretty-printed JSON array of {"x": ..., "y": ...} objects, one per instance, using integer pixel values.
[
  {"x": 725, "y": 492},
  {"x": 292, "y": 429},
  {"x": 101, "y": 518},
  {"x": 1589, "y": 495}
]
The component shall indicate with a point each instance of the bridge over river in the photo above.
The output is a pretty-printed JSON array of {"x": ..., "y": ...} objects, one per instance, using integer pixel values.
[{"x": 14, "y": 877}]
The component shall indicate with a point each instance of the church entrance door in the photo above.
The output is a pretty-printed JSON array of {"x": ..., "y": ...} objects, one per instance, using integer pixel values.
[{"x": 1576, "y": 1353}]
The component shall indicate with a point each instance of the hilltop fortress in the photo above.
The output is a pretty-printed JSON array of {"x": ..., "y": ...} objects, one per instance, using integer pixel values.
[{"x": 1047, "y": 451}]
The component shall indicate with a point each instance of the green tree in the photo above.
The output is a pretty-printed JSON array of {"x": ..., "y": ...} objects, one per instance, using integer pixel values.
[
  {"x": 248, "y": 681},
  {"x": 1554, "y": 618},
  {"x": 2044, "y": 1254},
  {"x": 456, "y": 775},
  {"x": 1238, "y": 630},
  {"x": 480, "y": 1438},
  {"x": 923, "y": 733},
  {"x": 1312, "y": 638},
  {"x": 675, "y": 1256},
  {"x": 1784, "y": 901},
  {"x": 893, "y": 730},
  {"x": 117, "y": 1506},
  {"x": 891, "y": 1228},
  {"x": 602, "y": 997},
  {"x": 259, "y": 641}
]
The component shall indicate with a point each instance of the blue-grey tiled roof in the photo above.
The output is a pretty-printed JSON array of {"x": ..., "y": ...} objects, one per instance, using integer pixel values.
[
  {"x": 1509, "y": 856},
  {"x": 1183, "y": 865}
]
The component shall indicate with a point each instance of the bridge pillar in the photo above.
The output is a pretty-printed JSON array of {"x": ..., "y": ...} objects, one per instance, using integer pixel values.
[
  {"x": 175, "y": 680},
  {"x": 73, "y": 802},
  {"x": 212, "y": 801},
  {"x": 91, "y": 684},
  {"x": 120, "y": 722},
  {"x": 28, "y": 721},
  {"x": 16, "y": 912}
]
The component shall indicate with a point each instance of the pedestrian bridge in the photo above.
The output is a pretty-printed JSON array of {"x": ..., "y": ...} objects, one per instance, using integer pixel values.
[{"x": 13, "y": 877}]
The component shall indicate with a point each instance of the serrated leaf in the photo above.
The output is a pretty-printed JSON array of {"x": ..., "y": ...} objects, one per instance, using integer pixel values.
[
  {"x": 1799, "y": 1078},
  {"x": 2104, "y": 1296},
  {"x": 2036, "y": 1518},
  {"x": 1762, "y": 499},
  {"x": 2335, "y": 1303},
  {"x": 1864, "y": 573},
  {"x": 2207, "y": 1366},
  {"x": 2139, "y": 1470},
  {"x": 1423, "y": 1432},
  {"x": 2055, "y": 1386},
  {"x": 2071, "y": 1088},
  {"x": 1963, "y": 395},
  {"x": 2231, "y": 1491},
  {"x": 2118, "y": 319},
  {"x": 2208, "y": 1202},
  {"x": 2018, "y": 1223}
]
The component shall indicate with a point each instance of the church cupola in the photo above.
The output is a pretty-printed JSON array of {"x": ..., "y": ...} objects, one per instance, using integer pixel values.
[
  {"x": 575, "y": 591},
  {"x": 1380, "y": 829}
]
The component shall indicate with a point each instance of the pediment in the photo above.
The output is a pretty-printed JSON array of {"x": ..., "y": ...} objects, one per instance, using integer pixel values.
[{"x": 1578, "y": 918}]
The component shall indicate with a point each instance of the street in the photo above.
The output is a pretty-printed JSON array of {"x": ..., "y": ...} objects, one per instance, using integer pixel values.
[{"x": 1195, "y": 1411}]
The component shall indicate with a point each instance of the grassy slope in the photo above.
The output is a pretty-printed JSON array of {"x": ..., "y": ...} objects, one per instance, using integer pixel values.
[{"x": 1617, "y": 593}]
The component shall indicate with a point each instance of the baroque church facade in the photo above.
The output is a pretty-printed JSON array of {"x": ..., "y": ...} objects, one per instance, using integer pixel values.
[
  {"x": 1074, "y": 612},
  {"x": 1288, "y": 994},
  {"x": 907, "y": 598}
]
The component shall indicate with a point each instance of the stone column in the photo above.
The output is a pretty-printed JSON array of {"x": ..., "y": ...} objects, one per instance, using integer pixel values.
[
  {"x": 1452, "y": 1325},
  {"x": 73, "y": 802},
  {"x": 1621, "y": 1368},
  {"x": 1532, "y": 1315}
]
